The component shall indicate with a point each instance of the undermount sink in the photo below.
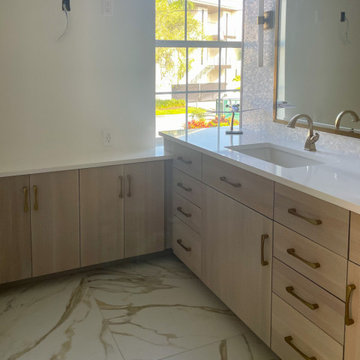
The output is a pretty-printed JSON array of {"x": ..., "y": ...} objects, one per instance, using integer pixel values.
[{"x": 275, "y": 154}]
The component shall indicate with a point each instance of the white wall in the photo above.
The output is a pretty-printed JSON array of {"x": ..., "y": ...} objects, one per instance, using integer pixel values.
[
  {"x": 321, "y": 68},
  {"x": 56, "y": 97}
]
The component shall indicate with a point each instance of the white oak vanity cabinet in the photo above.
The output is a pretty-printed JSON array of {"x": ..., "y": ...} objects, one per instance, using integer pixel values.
[
  {"x": 102, "y": 197},
  {"x": 314, "y": 284},
  {"x": 224, "y": 242},
  {"x": 15, "y": 231},
  {"x": 122, "y": 211},
  {"x": 187, "y": 202},
  {"x": 55, "y": 222},
  {"x": 39, "y": 225},
  {"x": 352, "y": 330},
  {"x": 237, "y": 254},
  {"x": 302, "y": 298},
  {"x": 144, "y": 208},
  {"x": 117, "y": 211}
]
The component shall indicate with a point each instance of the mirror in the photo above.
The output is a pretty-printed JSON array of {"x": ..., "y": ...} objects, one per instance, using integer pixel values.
[{"x": 318, "y": 57}]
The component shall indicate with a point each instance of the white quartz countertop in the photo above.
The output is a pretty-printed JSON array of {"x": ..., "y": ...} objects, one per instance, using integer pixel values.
[
  {"x": 49, "y": 162},
  {"x": 336, "y": 179}
]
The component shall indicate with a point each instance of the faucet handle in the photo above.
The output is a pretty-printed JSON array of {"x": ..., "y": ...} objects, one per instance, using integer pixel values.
[
  {"x": 310, "y": 142},
  {"x": 313, "y": 139}
]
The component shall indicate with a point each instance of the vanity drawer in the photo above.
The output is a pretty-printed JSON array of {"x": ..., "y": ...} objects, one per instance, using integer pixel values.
[
  {"x": 291, "y": 330},
  {"x": 186, "y": 211},
  {"x": 250, "y": 189},
  {"x": 187, "y": 187},
  {"x": 187, "y": 246},
  {"x": 355, "y": 238},
  {"x": 322, "y": 308},
  {"x": 318, "y": 220},
  {"x": 290, "y": 248},
  {"x": 185, "y": 159}
]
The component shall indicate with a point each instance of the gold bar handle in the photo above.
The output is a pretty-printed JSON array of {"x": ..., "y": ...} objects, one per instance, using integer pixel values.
[
  {"x": 26, "y": 199},
  {"x": 129, "y": 185},
  {"x": 186, "y": 248},
  {"x": 225, "y": 180},
  {"x": 348, "y": 320},
  {"x": 121, "y": 194},
  {"x": 36, "y": 201},
  {"x": 291, "y": 291},
  {"x": 292, "y": 252},
  {"x": 289, "y": 341},
  {"x": 263, "y": 261},
  {"x": 180, "y": 210},
  {"x": 182, "y": 186},
  {"x": 187, "y": 162},
  {"x": 309, "y": 220}
]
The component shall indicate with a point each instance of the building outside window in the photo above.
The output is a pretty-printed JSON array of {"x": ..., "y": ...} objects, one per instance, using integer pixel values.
[{"x": 198, "y": 63}]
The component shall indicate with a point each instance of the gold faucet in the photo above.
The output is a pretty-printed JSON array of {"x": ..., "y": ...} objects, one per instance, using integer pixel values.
[
  {"x": 353, "y": 114},
  {"x": 311, "y": 138}
]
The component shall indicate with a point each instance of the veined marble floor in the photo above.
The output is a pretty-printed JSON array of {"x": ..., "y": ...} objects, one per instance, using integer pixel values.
[{"x": 148, "y": 310}]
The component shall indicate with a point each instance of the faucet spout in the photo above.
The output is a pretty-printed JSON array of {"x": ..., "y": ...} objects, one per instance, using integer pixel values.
[
  {"x": 353, "y": 114},
  {"x": 311, "y": 138}
]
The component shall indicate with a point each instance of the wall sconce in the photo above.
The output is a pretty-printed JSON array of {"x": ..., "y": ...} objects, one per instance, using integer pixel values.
[{"x": 265, "y": 21}]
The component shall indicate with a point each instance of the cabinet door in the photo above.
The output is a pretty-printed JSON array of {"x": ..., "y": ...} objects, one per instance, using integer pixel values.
[
  {"x": 352, "y": 332},
  {"x": 102, "y": 214},
  {"x": 144, "y": 208},
  {"x": 237, "y": 259},
  {"x": 55, "y": 222},
  {"x": 15, "y": 240},
  {"x": 354, "y": 254}
]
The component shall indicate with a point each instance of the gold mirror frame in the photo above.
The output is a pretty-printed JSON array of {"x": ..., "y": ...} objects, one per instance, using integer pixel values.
[{"x": 348, "y": 133}]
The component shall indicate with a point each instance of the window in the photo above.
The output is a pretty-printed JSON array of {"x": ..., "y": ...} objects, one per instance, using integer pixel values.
[{"x": 198, "y": 63}]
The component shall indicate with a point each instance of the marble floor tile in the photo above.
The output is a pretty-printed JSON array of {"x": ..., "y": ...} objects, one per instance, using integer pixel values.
[
  {"x": 158, "y": 308},
  {"x": 146, "y": 310},
  {"x": 53, "y": 320},
  {"x": 242, "y": 347}
]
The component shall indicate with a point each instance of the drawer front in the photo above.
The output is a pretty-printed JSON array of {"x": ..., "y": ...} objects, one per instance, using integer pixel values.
[
  {"x": 292, "y": 333},
  {"x": 187, "y": 212},
  {"x": 250, "y": 189},
  {"x": 187, "y": 187},
  {"x": 185, "y": 159},
  {"x": 318, "y": 220},
  {"x": 355, "y": 238},
  {"x": 187, "y": 246},
  {"x": 316, "y": 304},
  {"x": 304, "y": 256}
]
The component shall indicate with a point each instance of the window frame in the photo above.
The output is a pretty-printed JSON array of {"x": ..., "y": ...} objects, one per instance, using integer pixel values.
[{"x": 218, "y": 44}]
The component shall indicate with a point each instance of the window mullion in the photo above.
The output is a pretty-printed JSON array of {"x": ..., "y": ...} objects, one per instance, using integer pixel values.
[
  {"x": 187, "y": 74},
  {"x": 198, "y": 44},
  {"x": 220, "y": 53}
]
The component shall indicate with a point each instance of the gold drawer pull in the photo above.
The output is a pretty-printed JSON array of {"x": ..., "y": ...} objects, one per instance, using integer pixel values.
[
  {"x": 263, "y": 238},
  {"x": 36, "y": 202},
  {"x": 180, "y": 210},
  {"x": 308, "y": 263},
  {"x": 26, "y": 199},
  {"x": 309, "y": 220},
  {"x": 348, "y": 320},
  {"x": 121, "y": 195},
  {"x": 186, "y": 248},
  {"x": 129, "y": 185},
  {"x": 187, "y": 162},
  {"x": 289, "y": 339},
  {"x": 291, "y": 290},
  {"x": 182, "y": 186},
  {"x": 225, "y": 180}
]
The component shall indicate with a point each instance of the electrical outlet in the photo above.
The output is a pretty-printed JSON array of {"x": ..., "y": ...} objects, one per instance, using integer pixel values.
[
  {"x": 107, "y": 138},
  {"x": 108, "y": 7}
]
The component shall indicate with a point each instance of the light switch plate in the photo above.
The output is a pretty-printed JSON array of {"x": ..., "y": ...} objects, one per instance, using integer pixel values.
[{"x": 108, "y": 7}]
